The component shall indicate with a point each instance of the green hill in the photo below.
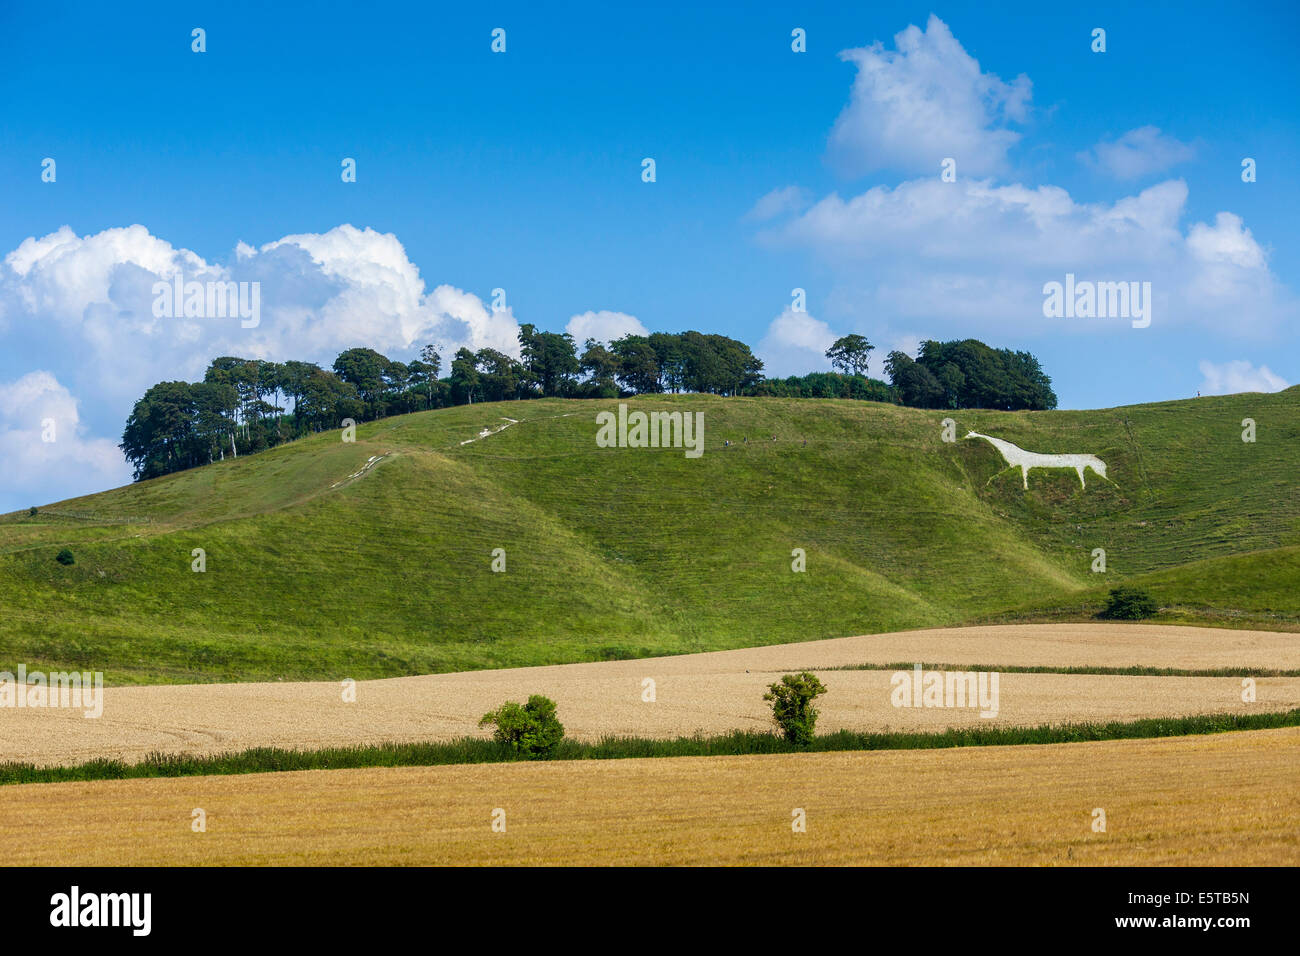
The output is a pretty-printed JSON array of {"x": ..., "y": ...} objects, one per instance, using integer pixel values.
[{"x": 628, "y": 552}]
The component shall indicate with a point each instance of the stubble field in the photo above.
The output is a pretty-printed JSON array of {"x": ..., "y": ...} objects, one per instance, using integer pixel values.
[
  {"x": 1226, "y": 799},
  {"x": 709, "y": 693}
]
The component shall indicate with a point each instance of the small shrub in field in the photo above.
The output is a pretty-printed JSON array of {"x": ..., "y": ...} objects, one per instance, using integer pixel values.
[
  {"x": 65, "y": 557},
  {"x": 32, "y": 512},
  {"x": 792, "y": 705},
  {"x": 530, "y": 729},
  {"x": 1129, "y": 604}
]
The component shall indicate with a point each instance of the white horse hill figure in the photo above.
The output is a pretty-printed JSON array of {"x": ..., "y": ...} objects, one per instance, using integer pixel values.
[{"x": 1017, "y": 457}]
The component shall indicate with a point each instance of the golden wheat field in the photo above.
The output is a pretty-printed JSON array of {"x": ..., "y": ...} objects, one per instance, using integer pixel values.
[
  {"x": 710, "y": 693},
  {"x": 1226, "y": 799}
]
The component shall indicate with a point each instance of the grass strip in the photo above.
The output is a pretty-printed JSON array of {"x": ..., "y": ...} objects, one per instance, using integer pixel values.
[{"x": 469, "y": 750}]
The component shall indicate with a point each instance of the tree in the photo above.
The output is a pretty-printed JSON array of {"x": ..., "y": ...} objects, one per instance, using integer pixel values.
[
  {"x": 531, "y": 730},
  {"x": 429, "y": 356},
  {"x": 270, "y": 380},
  {"x": 738, "y": 367},
  {"x": 238, "y": 374},
  {"x": 970, "y": 374},
  {"x": 295, "y": 378},
  {"x": 850, "y": 354},
  {"x": 792, "y": 705},
  {"x": 952, "y": 382},
  {"x": 364, "y": 369},
  {"x": 327, "y": 400},
  {"x": 672, "y": 356},
  {"x": 159, "y": 437},
  {"x": 600, "y": 365},
  {"x": 396, "y": 378},
  {"x": 426, "y": 371},
  {"x": 550, "y": 358},
  {"x": 1129, "y": 604},
  {"x": 825, "y": 385},
  {"x": 638, "y": 364},
  {"x": 464, "y": 377},
  {"x": 916, "y": 384},
  {"x": 213, "y": 425},
  {"x": 498, "y": 375}
]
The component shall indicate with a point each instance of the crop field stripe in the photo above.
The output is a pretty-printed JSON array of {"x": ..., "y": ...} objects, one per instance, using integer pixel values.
[
  {"x": 740, "y": 743},
  {"x": 1130, "y": 671},
  {"x": 1209, "y": 800}
]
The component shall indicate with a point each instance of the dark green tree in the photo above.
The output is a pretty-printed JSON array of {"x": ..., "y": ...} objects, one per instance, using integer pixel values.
[
  {"x": 464, "y": 377},
  {"x": 532, "y": 730},
  {"x": 600, "y": 365},
  {"x": 365, "y": 370},
  {"x": 160, "y": 435},
  {"x": 850, "y": 354},
  {"x": 638, "y": 364},
  {"x": 792, "y": 706}
]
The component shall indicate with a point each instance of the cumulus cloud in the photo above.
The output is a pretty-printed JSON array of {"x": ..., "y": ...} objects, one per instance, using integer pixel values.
[
  {"x": 908, "y": 343},
  {"x": 973, "y": 249},
  {"x": 924, "y": 101},
  {"x": 1227, "y": 378},
  {"x": 795, "y": 344},
  {"x": 84, "y": 306},
  {"x": 779, "y": 202},
  {"x": 90, "y": 300},
  {"x": 603, "y": 326},
  {"x": 972, "y": 256},
  {"x": 1139, "y": 152},
  {"x": 45, "y": 453}
]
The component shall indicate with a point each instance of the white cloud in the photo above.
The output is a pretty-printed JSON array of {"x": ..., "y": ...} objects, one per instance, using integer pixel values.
[
  {"x": 795, "y": 344},
  {"x": 379, "y": 297},
  {"x": 1231, "y": 267},
  {"x": 908, "y": 343},
  {"x": 88, "y": 302},
  {"x": 973, "y": 250},
  {"x": 603, "y": 326},
  {"x": 1227, "y": 378},
  {"x": 1227, "y": 242},
  {"x": 45, "y": 453},
  {"x": 1139, "y": 152},
  {"x": 972, "y": 256},
  {"x": 81, "y": 307},
  {"x": 925, "y": 101},
  {"x": 72, "y": 280},
  {"x": 779, "y": 202}
]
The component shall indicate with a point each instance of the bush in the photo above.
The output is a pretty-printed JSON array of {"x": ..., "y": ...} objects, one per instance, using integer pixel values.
[
  {"x": 31, "y": 511},
  {"x": 65, "y": 557},
  {"x": 792, "y": 706},
  {"x": 530, "y": 729},
  {"x": 1129, "y": 604}
]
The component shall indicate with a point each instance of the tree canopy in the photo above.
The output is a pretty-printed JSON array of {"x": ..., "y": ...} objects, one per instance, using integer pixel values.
[{"x": 245, "y": 405}]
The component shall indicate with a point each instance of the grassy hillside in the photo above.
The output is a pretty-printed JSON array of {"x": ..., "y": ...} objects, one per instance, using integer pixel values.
[{"x": 631, "y": 552}]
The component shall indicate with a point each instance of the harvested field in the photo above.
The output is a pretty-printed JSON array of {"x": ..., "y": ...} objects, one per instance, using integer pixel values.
[
  {"x": 1221, "y": 800},
  {"x": 711, "y": 693}
]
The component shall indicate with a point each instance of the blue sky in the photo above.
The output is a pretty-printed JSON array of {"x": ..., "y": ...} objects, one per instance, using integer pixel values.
[{"x": 522, "y": 171}]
